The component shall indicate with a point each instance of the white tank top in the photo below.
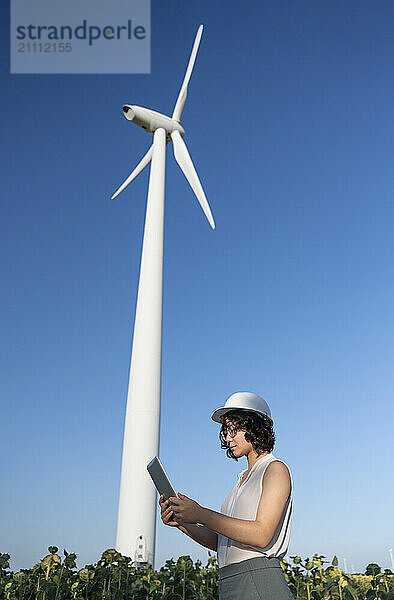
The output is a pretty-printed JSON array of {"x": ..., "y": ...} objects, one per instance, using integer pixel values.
[{"x": 242, "y": 503}]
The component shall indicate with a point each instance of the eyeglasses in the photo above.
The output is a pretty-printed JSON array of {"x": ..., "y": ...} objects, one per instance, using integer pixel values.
[{"x": 231, "y": 431}]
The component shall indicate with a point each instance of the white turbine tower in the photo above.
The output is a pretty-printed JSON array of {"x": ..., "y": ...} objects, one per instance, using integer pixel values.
[{"x": 137, "y": 499}]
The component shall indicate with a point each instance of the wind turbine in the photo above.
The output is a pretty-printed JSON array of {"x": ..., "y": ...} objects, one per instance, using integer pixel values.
[{"x": 137, "y": 498}]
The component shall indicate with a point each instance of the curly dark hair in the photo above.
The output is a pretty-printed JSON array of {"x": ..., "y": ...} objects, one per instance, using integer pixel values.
[{"x": 258, "y": 430}]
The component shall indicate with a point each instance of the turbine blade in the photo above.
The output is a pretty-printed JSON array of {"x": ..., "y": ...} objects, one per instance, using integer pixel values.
[
  {"x": 141, "y": 165},
  {"x": 180, "y": 103},
  {"x": 183, "y": 159}
]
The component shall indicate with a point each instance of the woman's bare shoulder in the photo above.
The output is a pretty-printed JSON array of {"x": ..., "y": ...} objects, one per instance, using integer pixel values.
[
  {"x": 279, "y": 464},
  {"x": 279, "y": 470}
]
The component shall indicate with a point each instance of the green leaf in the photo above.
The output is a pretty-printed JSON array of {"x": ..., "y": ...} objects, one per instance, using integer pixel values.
[
  {"x": 317, "y": 562},
  {"x": 372, "y": 569}
]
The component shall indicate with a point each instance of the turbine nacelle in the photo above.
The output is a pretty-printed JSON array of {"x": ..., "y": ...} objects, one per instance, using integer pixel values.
[{"x": 150, "y": 120}]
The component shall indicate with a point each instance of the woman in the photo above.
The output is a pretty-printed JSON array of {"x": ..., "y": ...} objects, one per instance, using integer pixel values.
[{"x": 251, "y": 533}]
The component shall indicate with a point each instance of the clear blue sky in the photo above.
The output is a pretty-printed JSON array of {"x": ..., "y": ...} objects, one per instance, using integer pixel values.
[{"x": 290, "y": 123}]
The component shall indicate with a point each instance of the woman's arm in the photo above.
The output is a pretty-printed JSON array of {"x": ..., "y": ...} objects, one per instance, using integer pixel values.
[
  {"x": 276, "y": 489},
  {"x": 198, "y": 533},
  {"x": 201, "y": 534}
]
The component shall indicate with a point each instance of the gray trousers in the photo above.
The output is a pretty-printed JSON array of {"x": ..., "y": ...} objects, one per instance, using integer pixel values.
[{"x": 259, "y": 578}]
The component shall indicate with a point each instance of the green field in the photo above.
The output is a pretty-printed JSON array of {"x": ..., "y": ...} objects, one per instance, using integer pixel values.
[{"x": 113, "y": 578}]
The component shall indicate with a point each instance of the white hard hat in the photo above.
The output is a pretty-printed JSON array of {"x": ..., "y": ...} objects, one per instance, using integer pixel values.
[{"x": 244, "y": 401}]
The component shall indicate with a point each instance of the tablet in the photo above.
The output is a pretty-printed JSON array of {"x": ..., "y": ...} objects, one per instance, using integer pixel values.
[{"x": 160, "y": 479}]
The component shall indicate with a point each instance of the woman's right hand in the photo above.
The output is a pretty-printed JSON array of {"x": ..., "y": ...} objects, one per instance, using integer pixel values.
[{"x": 167, "y": 513}]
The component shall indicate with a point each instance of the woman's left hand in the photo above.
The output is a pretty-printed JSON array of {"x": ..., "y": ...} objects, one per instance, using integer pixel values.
[{"x": 186, "y": 509}]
